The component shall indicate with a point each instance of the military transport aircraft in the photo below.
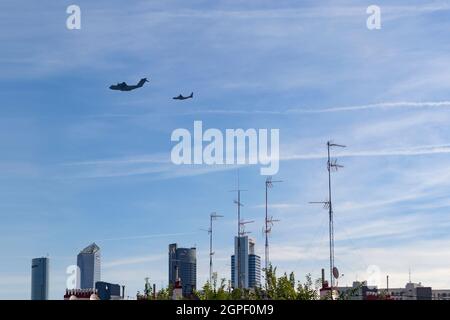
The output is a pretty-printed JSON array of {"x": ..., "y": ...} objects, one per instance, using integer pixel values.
[
  {"x": 124, "y": 87},
  {"x": 180, "y": 97}
]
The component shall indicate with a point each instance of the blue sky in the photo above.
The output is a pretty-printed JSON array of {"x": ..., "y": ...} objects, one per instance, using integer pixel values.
[{"x": 81, "y": 163}]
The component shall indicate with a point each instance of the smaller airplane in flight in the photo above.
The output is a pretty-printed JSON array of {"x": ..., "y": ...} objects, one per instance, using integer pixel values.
[
  {"x": 180, "y": 97},
  {"x": 124, "y": 87}
]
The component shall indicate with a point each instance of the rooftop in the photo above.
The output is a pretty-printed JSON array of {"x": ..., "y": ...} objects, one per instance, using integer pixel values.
[{"x": 92, "y": 248}]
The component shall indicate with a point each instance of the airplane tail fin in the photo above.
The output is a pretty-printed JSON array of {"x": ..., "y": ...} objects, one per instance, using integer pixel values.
[
  {"x": 192, "y": 95},
  {"x": 142, "y": 81}
]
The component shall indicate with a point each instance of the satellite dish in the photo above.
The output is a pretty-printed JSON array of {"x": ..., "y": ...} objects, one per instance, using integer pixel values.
[{"x": 335, "y": 272}]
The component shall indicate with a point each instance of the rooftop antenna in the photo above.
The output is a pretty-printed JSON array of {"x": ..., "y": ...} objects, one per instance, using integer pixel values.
[
  {"x": 332, "y": 165},
  {"x": 268, "y": 222},
  {"x": 409, "y": 272},
  {"x": 239, "y": 233},
  {"x": 243, "y": 232},
  {"x": 213, "y": 216}
]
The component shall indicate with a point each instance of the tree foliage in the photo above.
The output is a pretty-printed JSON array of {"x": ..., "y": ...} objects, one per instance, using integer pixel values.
[
  {"x": 213, "y": 291},
  {"x": 285, "y": 287}
]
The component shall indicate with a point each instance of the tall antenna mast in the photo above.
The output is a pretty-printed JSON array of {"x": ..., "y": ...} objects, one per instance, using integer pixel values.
[
  {"x": 268, "y": 222},
  {"x": 212, "y": 216},
  {"x": 239, "y": 232},
  {"x": 332, "y": 165}
]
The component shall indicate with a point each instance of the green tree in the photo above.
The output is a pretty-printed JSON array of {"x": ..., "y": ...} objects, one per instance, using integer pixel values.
[
  {"x": 164, "y": 294},
  {"x": 285, "y": 289},
  {"x": 206, "y": 293},
  {"x": 222, "y": 293},
  {"x": 271, "y": 282},
  {"x": 214, "y": 292},
  {"x": 257, "y": 294},
  {"x": 236, "y": 294},
  {"x": 306, "y": 291}
]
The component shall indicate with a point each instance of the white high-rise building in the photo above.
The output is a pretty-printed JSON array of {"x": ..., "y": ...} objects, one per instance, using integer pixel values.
[{"x": 246, "y": 271}]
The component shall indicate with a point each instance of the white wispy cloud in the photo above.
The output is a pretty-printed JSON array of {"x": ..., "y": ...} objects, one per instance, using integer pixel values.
[
  {"x": 155, "y": 171},
  {"x": 147, "y": 165},
  {"x": 407, "y": 151},
  {"x": 354, "y": 261},
  {"x": 148, "y": 236},
  {"x": 300, "y": 111},
  {"x": 282, "y": 206},
  {"x": 148, "y": 158},
  {"x": 133, "y": 260},
  {"x": 103, "y": 31},
  {"x": 320, "y": 10}
]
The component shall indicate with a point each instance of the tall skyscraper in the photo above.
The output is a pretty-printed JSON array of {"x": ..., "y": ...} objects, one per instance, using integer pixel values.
[
  {"x": 39, "y": 278},
  {"x": 183, "y": 265},
  {"x": 88, "y": 262},
  {"x": 249, "y": 275},
  {"x": 254, "y": 266},
  {"x": 240, "y": 270}
]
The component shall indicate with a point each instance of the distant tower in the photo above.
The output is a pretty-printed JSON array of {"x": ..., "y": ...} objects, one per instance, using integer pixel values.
[
  {"x": 88, "y": 261},
  {"x": 39, "y": 278},
  {"x": 249, "y": 274}
]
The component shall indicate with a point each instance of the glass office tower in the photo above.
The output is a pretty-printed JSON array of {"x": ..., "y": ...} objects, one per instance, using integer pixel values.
[
  {"x": 183, "y": 263},
  {"x": 39, "y": 278},
  {"x": 249, "y": 264},
  {"x": 88, "y": 262}
]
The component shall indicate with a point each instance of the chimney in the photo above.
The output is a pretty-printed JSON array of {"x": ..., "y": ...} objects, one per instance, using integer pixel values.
[
  {"x": 123, "y": 292},
  {"x": 323, "y": 277}
]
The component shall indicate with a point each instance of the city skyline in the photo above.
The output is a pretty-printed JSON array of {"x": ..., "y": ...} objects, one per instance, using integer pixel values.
[{"x": 82, "y": 163}]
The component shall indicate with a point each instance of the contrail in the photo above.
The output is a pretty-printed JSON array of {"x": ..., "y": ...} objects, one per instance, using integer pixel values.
[
  {"x": 149, "y": 158},
  {"x": 293, "y": 111},
  {"x": 411, "y": 151},
  {"x": 383, "y": 105}
]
